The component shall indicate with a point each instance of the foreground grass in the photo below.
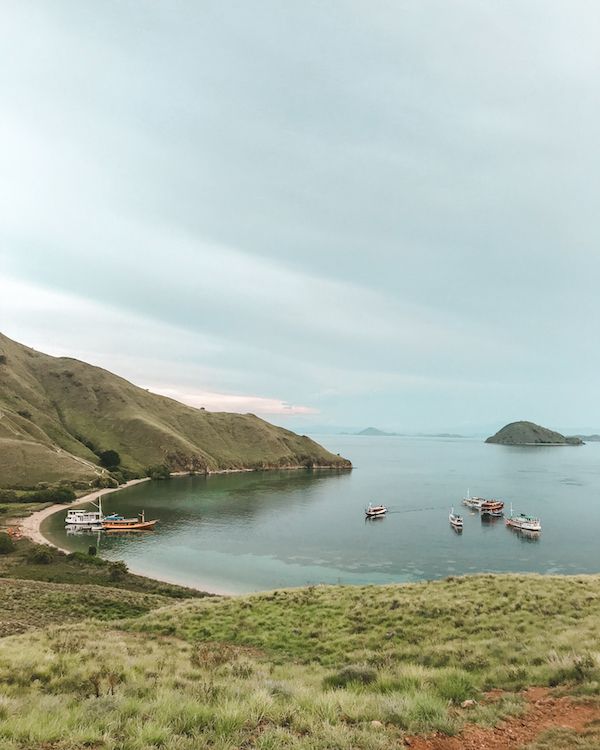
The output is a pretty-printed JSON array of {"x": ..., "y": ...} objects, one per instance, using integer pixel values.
[
  {"x": 309, "y": 669},
  {"x": 567, "y": 739},
  {"x": 86, "y": 686},
  {"x": 504, "y": 631}
]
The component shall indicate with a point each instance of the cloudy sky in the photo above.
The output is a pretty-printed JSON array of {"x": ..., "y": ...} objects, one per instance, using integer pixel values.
[{"x": 343, "y": 213}]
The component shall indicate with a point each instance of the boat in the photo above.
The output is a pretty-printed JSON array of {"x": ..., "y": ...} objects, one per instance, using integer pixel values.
[
  {"x": 456, "y": 521},
  {"x": 83, "y": 518},
  {"x": 374, "y": 511},
  {"x": 494, "y": 508},
  {"x": 89, "y": 519},
  {"x": 129, "y": 524},
  {"x": 523, "y": 522},
  {"x": 485, "y": 506}
]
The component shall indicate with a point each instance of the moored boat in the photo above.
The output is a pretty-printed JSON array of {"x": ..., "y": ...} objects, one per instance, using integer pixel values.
[
  {"x": 83, "y": 518},
  {"x": 484, "y": 505},
  {"x": 373, "y": 511},
  {"x": 456, "y": 521},
  {"x": 129, "y": 524},
  {"x": 523, "y": 522},
  {"x": 494, "y": 508}
]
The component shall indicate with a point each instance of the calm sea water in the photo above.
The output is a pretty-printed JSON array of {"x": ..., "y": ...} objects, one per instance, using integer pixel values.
[{"x": 250, "y": 532}]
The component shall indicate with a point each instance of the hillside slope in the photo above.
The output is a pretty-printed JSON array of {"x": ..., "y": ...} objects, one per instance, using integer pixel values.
[
  {"x": 352, "y": 668},
  {"x": 56, "y": 413},
  {"x": 529, "y": 433}
]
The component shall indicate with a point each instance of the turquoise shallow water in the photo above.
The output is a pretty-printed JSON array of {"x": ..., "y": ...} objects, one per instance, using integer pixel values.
[{"x": 250, "y": 532}]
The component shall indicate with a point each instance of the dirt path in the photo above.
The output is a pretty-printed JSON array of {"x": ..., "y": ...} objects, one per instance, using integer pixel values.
[{"x": 543, "y": 712}]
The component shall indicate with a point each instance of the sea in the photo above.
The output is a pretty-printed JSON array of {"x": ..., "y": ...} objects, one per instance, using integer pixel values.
[{"x": 245, "y": 532}]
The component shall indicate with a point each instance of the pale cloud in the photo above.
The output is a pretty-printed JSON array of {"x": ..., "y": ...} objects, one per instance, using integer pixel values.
[
  {"x": 380, "y": 211},
  {"x": 234, "y": 402}
]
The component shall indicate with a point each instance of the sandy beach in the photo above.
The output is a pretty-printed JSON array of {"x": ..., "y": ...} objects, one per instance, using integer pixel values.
[{"x": 30, "y": 526}]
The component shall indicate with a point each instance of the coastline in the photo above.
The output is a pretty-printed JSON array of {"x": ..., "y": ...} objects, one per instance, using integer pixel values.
[{"x": 31, "y": 528}]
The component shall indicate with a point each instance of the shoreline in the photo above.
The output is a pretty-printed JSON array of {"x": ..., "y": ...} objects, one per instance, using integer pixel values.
[{"x": 31, "y": 528}]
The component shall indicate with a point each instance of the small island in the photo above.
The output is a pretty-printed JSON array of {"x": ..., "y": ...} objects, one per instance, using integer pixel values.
[
  {"x": 529, "y": 433},
  {"x": 374, "y": 432}
]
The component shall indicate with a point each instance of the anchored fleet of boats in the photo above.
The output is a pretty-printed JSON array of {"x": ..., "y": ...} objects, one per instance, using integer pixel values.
[{"x": 489, "y": 508}]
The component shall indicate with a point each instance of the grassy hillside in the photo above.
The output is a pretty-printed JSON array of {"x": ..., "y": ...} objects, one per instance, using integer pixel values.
[
  {"x": 304, "y": 669},
  {"x": 41, "y": 586},
  {"x": 529, "y": 433},
  {"x": 56, "y": 414}
]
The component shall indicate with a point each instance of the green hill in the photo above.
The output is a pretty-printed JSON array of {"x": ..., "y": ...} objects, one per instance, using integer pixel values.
[
  {"x": 57, "y": 413},
  {"x": 528, "y": 433}
]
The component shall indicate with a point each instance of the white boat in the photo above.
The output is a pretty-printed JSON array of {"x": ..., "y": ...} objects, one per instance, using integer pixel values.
[
  {"x": 455, "y": 520},
  {"x": 374, "y": 511},
  {"x": 523, "y": 522},
  {"x": 89, "y": 519},
  {"x": 83, "y": 518}
]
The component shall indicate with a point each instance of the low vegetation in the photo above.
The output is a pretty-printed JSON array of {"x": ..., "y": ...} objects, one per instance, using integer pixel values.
[
  {"x": 321, "y": 667},
  {"x": 501, "y": 631},
  {"x": 35, "y": 562}
]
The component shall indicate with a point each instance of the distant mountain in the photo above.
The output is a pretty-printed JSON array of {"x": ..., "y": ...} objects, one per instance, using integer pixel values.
[
  {"x": 528, "y": 433},
  {"x": 589, "y": 438},
  {"x": 58, "y": 414},
  {"x": 374, "y": 431}
]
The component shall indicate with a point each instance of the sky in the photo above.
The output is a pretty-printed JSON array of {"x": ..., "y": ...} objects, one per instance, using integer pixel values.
[{"x": 333, "y": 215}]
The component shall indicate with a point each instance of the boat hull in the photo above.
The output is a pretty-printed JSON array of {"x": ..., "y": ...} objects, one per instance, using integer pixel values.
[{"x": 137, "y": 526}]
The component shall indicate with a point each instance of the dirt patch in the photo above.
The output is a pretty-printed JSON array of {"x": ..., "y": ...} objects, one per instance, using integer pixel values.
[{"x": 543, "y": 712}]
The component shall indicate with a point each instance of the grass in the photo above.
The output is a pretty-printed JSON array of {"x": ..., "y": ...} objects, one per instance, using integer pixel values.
[
  {"x": 503, "y": 631},
  {"x": 568, "y": 739},
  {"x": 33, "y": 604},
  {"x": 19, "y": 510},
  {"x": 58, "y": 411},
  {"x": 304, "y": 669},
  {"x": 78, "y": 569}
]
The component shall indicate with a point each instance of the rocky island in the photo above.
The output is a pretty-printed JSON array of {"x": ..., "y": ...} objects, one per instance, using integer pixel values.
[{"x": 529, "y": 433}]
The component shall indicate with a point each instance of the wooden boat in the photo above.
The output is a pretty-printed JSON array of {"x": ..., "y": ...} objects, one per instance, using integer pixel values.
[
  {"x": 374, "y": 511},
  {"x": 523, "y": 522},
  {"x": 494, "y": 508},
  {"x": 456, "y": 521},
  {"x": 129, "y": 524},
  {"x": 485, "y": 506}
]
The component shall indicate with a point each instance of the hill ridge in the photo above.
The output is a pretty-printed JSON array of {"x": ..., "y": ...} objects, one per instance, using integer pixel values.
[{"x": 58, "y": 413}]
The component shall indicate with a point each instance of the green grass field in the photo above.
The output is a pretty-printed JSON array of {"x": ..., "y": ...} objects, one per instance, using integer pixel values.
[{"x": 302, "y": 669}]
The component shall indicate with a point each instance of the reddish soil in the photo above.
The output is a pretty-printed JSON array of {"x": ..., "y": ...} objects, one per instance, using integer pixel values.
[{"x": 543, "y": 712}]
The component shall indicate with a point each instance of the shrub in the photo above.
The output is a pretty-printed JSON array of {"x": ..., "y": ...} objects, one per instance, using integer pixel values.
[
  {"x": 6, "y": 544},
  {"x": 159, "y": 471},
  {"x": 454, "y": 685},
  {"x": 8, "y": 496},
  {"x": 118, "y": 571},
  {"x": 109, "y": 459},
  {"x": 58, "y": 495},
  {"x": 357, "y": 674},
  {"x": 92, "y": 551},
  {"x": 42, "y": 554}
]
